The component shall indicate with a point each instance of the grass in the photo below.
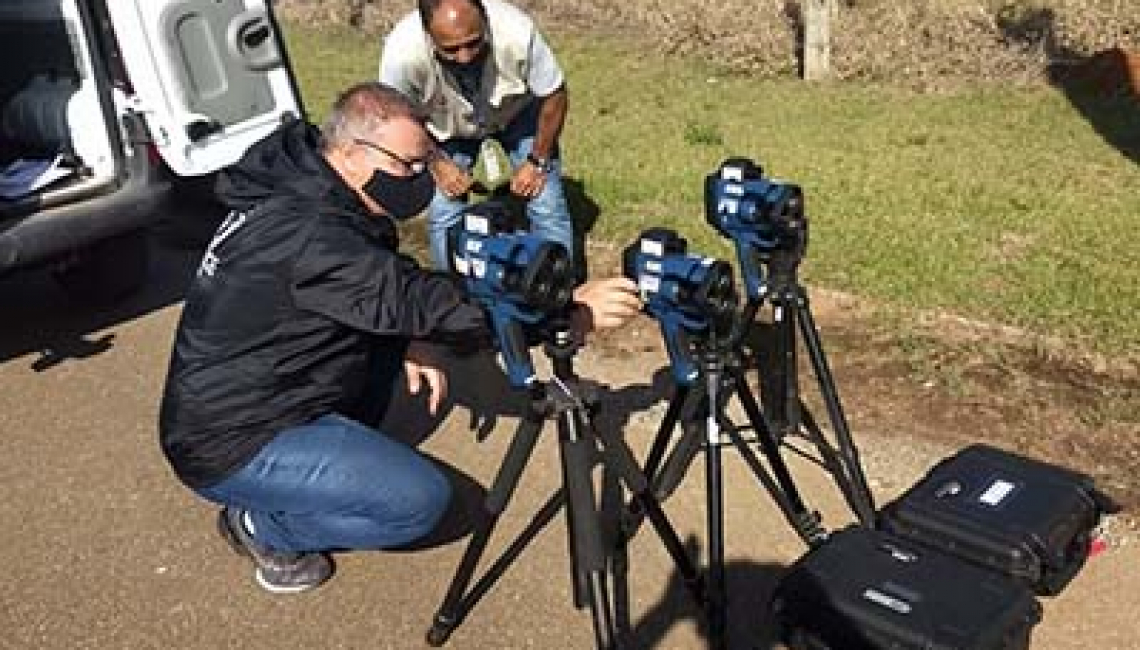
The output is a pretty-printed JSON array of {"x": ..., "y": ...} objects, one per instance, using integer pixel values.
[{"x": 998, "y": 204}]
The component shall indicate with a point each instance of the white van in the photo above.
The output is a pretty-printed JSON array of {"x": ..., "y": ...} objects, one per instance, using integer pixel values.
[{"x": 104, "y": 104}]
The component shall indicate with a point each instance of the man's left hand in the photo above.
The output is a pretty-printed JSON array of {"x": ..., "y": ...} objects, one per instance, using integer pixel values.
[
  {"x": 528, "y": 181},
  {"x": 421, "y": 366}
]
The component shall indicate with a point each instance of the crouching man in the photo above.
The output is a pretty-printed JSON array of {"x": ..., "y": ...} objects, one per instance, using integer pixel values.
[{"x": 299, "y": 321}]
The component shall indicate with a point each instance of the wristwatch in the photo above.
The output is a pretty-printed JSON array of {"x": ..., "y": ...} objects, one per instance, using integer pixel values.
[{"x": 544, "y": 165}]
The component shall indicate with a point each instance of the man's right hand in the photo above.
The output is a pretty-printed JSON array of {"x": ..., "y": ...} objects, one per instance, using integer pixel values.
[
  {"x": 451, "y": 179},
  {"x": 606, "y": 304}
]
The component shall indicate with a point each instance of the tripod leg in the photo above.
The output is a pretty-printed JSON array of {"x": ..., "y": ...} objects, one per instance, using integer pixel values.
[
  {"x": 688, "y": 446},
  {"x": 781, "y": 389},
  {"x": 832, "y": 461},
  {"x": 665, "y": 473},
  {"x": 541, "y": 518},
  {"x": 665, "y": 431},
  {"x": 587, "y": 549},
  {"x": 805, "y": 522},
  {"x": 622, "y": 461},
  {"x": 864, "y": 502},
  {"x": 716, "y": 607},
  {"x": 614, "y": 513},
  {"x": 453, "y": 609}
]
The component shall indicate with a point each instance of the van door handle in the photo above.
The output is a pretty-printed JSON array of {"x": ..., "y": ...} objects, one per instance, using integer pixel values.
[
  {"x": 250, "y": 39},
  {"x": 202, "y": 128}
]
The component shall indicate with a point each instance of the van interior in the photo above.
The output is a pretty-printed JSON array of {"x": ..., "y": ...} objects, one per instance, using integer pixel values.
[{"x": 56, "y": 139}]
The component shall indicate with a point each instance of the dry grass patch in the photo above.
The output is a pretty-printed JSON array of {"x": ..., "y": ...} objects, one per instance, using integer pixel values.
[{"x": 923, "y": 43}]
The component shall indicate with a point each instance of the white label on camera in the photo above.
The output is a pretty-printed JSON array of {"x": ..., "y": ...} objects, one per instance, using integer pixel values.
[
  {"x": 888, "y": 601},
  {"x": 478, "y": 268},
  {"x": 996, "y": 492},
  {"x": 732, "y": 173},
  {"x": 652, "y": 247},
  {"x": 477, "y": 224},
  {"x": 461, "y": 265},
  {"x": 653, "y": 266},
  {"x": 649, "y": 283}
]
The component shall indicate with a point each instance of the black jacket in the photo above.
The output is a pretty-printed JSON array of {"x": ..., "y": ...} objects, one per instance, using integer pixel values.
[{"x": 298, "y": 287}]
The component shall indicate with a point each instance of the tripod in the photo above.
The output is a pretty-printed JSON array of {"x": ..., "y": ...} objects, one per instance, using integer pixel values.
[
  {"x": 699, "y": 407},
  {"x": 786, "y": 412},
  {"x": 564, "y": 399}
]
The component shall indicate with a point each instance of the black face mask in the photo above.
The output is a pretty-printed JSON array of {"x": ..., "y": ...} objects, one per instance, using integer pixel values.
[
  {"x": 402, "y": 197},
  {"x": 471, "y": 68}
]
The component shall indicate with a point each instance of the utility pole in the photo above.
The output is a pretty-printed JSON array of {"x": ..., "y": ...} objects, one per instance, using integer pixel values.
[{"x": 818, "y": 16}]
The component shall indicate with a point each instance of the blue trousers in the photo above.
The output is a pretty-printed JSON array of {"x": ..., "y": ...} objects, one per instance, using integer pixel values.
[
  {"x": 335, "y": 484},
  {"x": 548, "y": 213}
]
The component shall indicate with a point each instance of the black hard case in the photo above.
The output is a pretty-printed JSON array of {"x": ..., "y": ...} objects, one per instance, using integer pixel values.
[
  {"x": 1022, "y": 517},
  {"x": 866, "y": 589}
]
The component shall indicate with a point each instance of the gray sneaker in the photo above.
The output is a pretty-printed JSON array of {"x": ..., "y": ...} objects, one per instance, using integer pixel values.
[{"x": 280, "y": 572}]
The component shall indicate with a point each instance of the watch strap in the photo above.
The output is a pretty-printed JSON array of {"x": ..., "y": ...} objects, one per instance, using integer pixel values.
[{"x": 544, "y": 165}]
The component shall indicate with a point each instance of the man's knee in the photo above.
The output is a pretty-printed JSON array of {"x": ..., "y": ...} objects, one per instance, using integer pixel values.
[{"x": 422, "y": 505}]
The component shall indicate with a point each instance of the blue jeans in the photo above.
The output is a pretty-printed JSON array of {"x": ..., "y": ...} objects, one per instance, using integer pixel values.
[
  {"x": 548, "y": 212},
  {"x": 336, "y": 484}
]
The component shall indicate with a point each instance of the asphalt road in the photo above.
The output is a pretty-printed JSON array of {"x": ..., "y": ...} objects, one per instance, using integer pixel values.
[{"x": 102, "y": 548}]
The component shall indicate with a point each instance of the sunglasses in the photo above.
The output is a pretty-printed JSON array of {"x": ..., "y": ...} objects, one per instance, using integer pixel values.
[{"x": 413, "y": 166}]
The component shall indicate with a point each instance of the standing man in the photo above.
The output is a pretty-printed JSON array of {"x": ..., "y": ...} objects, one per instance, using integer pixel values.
[
  {"x": 300, "y": 320},
  {"x": 482, "y": 70}
]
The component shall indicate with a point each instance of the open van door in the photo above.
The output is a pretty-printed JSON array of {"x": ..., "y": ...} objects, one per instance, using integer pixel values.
[{"x": 211, "y": 77}]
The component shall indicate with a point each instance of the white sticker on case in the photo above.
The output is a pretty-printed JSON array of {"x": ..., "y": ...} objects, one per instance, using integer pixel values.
[{"x": 996, "y": 492}]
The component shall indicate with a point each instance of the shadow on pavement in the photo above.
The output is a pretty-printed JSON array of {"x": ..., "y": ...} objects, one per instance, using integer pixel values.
[
  {"x": 750, "y": 624},
  {"x": 40, "y": 319}
]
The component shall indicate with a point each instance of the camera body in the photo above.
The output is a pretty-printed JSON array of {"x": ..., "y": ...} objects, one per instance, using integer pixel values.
[
  {"x": 689, "y": 295},
  {"x": 763, "y": 217},
  {"x": 518, "y": 278}
]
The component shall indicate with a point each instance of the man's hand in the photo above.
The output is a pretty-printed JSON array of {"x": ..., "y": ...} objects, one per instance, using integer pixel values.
[
  {"x": 450, "y": 178},
  {"x": 607, "y": 304},
  {"x": 528, "y": 181},
  {"x": 421, "y": 365}
]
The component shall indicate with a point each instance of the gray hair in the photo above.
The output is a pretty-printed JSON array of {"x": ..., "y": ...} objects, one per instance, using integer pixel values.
[{"x": 362, "y": 109}]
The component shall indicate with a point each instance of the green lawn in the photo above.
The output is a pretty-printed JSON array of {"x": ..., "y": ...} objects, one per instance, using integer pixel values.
[{"x": 998, "y": 204}]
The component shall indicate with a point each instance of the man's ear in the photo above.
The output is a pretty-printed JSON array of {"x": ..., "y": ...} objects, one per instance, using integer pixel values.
[
  {"x": 346, "y": 163},
  {"x": 351, "y": 159}
]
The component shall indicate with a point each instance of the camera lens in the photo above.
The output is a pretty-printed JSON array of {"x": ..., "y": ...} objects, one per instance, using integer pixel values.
[
  {"x": 717, "y": 295},
  {"x": 548, "y": 280}
]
